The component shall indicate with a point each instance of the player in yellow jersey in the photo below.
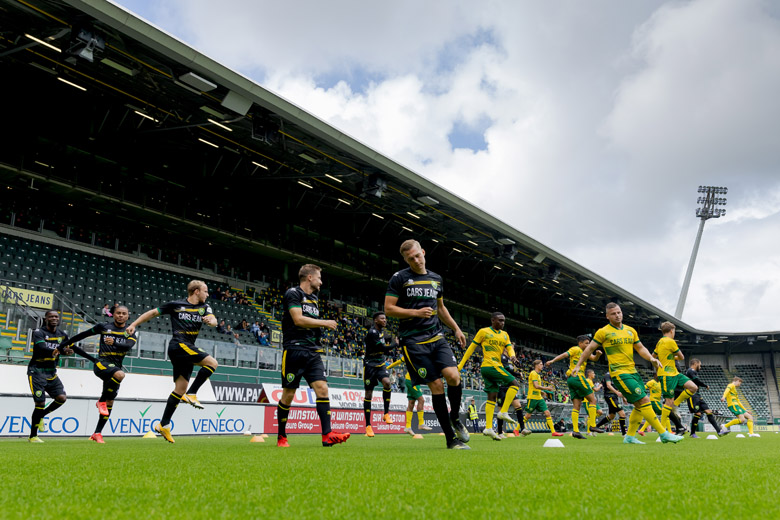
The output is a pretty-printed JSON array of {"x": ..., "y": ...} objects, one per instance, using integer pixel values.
[
  {"x": 667, "y": 352},
  {"x": 415, "y": 396},
  {"x": 494, "y": 340},
  {"x": 731, "y": 396},
  {"x": 535, "y": 401},
  {"x": 620, "y": 342},
  {"x": 579, "y": 388},
  {"x": 655, "y": 392}
]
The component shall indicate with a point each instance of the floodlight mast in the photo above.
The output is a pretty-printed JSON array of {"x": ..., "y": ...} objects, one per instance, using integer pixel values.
[{"x": 711, "y": 196}]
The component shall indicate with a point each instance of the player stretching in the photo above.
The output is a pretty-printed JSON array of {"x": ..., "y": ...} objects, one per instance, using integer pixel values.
[
  {"x": 187, "y": 317},
  {"x": 735, "y": 406},
  {"x": 697, "y": 405},
  {"x": 579, "y": 388},
  {"x": 415, "y": 396},
  {"x": 414, "y": 296},
  {"x": 655, "y": 392},
  {"x": 667, "y": 351},
  {"x": 493, "y": 341},
  {"x": 619, "y": 342},
  {"x": 114, "y": 345},
  {"x": 536, "y": 401},
  {"x": 375, "y": 370},
  {"x": 302, "y": 353},
  {"x": 614, "y": 407}
]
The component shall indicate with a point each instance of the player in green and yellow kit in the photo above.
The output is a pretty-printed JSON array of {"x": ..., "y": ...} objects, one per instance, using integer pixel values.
[
  {"x": 619, "y": 342},
  {"x": 653, "y": 388},
  {"x": 494, "y": 340},
  {"x": 535, "y": 401},
  {"x": 731, "y": 396},
  {"x": 667, "y": 352},
  {"x": 579, "y": 388}
]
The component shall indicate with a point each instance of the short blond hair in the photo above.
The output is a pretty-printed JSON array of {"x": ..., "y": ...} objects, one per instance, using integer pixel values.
[
  {"x": 667, "y": 326},
  {"x": 194, "y": 285},
  {"x": 612, "y": 305},
  {"x": 308, "y": 269},
  {"x": 409, "y": 244}
]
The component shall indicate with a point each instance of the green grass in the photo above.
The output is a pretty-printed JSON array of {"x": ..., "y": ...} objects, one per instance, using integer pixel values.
[{"x": 390, "y": 476}]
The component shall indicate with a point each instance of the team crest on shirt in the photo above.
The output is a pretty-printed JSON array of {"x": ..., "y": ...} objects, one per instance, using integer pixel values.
[
  {"x": 638, "y": 391},
  {"x": 435, "y": 285},
  {"x": 422, "y": 372},
  {"x": 290, "y": 377},
  {"x": 201, "y": 311},
  {"x": 38, "y": 393}
]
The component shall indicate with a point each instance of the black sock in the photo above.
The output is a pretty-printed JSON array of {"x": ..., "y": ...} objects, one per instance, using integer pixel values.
[
  {"x": 110, "y": 388},
  {"x": 323, "y": 410},
  {"x": 676, "y": 421},
  {"x": 37, "y": 415},
  {"x": 499, "y": 426},
  {"x": 695, "y": 423},
  {"x": 454, "y": 394},
  {"x": 713, "y": 422},
  {"x": 173, "y": 401},
  {"x": 622, "y": 421},
  {"x": 386, "y": 394},
  {"x": 282, "y": 412},
  {"x": 603, "y": 421},
  {"x": 443, "y": 415},
  {"x": 520, "y": 420},
  {"x": 52, "y": 406},
  {"x": 367, "y": 410},
  {"x": 203, "y": 374},
  {"x": 102, "y": 420}
]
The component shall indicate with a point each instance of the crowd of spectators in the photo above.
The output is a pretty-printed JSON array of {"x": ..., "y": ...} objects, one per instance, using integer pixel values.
[{"x": 227, "y": 295}]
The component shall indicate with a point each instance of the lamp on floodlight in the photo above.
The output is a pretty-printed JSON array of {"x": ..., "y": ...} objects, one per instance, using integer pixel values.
[{"x": 710, "y": 198}]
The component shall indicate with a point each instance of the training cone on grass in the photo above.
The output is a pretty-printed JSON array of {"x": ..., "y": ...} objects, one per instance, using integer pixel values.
[
  {"x": 510, "y": 434},
  {"x": 441, "y": 433},
  {"x": 611, "y": 434},
  {"x": 257, "y": 438},
  {"x": 417, "y": 436},
  {"x": 711, "y": 437},
  {"x": 740, "y": 436},
  {"x": 150, "y": 435},
  {"x": 264, "y": 436},
  {"x": 658, "y": 439},
  {"x": 553, "y": 443}
]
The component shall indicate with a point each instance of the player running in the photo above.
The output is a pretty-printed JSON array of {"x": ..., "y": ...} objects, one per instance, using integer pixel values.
[
  {"x": 579, "y": 388},
  {"x": 536, "y": 402},
  {"x": 375, "y": 369},
  {"x": 619, "y": 342},
  {"x": 114, "y": 345},
  {"x": 697, "y": 405},
  {"x": 731, "y": 396},
  {"x": 501, "y": 398},
  {"x": 302, "y": 353},
  {"x": 414, "y": 296},
  {"x": 187, "y": 317},
  {"x": 613, "y": 398},
  {"x": 667, "y": 351},
  {"x": 494, "y": 340}
]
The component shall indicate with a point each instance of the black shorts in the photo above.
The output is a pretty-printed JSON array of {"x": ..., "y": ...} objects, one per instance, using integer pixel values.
[
  {"x": 697, "y": 405},
  {"x": 105, "y": 369},
  {"x": 373, "y": 375},
  {"x": 425, "y": 361},
  {"x": 44, "y": 381},
  {"x": 501, "y": 394},
  {"x": 613, "y": 403},
  {"x": 297, "y": 364},
  {"x": 184, "y": 357}
]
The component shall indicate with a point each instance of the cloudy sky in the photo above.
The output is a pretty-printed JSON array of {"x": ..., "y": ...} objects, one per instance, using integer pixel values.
[{"x": 589, "y": 124}]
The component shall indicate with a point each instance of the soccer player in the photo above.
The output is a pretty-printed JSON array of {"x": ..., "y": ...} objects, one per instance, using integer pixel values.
[
  {"x": 414, "y": 296},
  {"x": 114, "y": 345},
  {"x": 655, "y": 392},
  {"x": 697, "y": 405},
  {"x": 501, "y": 398},
  {"x": 667, "y": 351},
  {"x": 375, "y": 369},
  {"x": 494, "y": 340},
  {"x": 735, "y": 406},
  {"x": 619, "y": 342},
  {"x": 473, "y": 415},
  {"x": 612, "y": 396},
  {"x": 579, "y": 388},
  {"x": 302, "y": 358},
  {"x": 42, "y": 371},
  {"x": 187, "y": 317},
  {"x": 535, "y": 402}
]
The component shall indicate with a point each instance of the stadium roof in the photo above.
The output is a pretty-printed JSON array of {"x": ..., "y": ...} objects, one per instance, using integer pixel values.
[{"x": 114, "y": 112}]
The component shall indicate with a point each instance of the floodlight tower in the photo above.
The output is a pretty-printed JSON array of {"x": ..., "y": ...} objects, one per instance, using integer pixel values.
[{"x": 710, "y": 197}]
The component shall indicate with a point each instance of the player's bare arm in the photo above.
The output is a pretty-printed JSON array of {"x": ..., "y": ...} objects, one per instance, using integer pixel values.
[
  {"x": 310, "y": 323},
  {"x": 143, "y": 318},
  {"x": 559, "y": 357},
  {"x": 585, "y": 355},
  {"x": 446, "y": 319},
  {"x": 392, "y": 310}
]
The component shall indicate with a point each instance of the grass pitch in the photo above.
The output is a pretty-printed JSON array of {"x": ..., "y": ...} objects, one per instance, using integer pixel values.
[{"x": 390, "y": 476}]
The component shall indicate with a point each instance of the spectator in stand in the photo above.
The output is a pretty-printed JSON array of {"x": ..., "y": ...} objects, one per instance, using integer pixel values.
[
  {"x": 243, "y": 326},
  {"x": 255, "y": 329},
  {"x": 264, "y": 328},
  {"x": 217, "y": 294},
  {"x": 221, "y": 327},
  {"x": 106, "y": 311},
  {"x": 113, "y": 308},
  {"x": 263, "y": 339}
]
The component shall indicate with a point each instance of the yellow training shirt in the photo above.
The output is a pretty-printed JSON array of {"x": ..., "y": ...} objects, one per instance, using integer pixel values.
[
  {"x": 654, "y": 387},
  {"x": 574, "y": 355},
  {"x": 619, "y": 346},
  {"x": 493, "y": 344},
  {"x": 665, "y": 349},
  {"x": 731, "y": 395},
  {"x": 533, "y": 392}
]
